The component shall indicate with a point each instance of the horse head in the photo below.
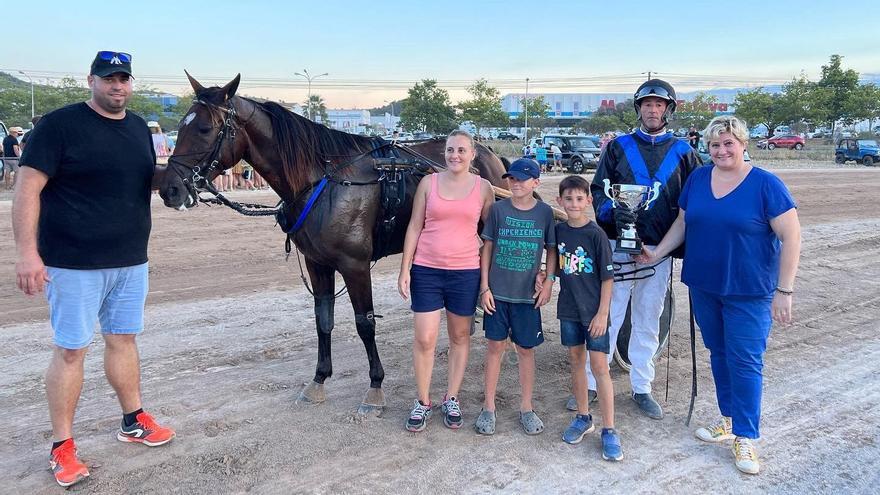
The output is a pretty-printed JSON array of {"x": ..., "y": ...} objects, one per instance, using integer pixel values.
[{"x": 209, "y": 141}]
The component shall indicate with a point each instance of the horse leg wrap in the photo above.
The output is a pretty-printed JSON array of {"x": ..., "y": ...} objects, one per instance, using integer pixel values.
[
  {"x": 366, "y": 328},
  {"x": 324, "y": 322},
  {"x": 324, "y": 314}
]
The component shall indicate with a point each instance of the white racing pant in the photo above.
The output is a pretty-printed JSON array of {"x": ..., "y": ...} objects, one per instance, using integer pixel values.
[{"x": 648, "y": 296}]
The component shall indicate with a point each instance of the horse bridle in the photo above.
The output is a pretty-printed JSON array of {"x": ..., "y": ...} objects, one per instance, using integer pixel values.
[{"x": 197, "y": 180}]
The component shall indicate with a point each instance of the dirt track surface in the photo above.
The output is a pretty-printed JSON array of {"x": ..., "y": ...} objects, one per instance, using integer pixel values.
[{"x": 230, "y": 341}]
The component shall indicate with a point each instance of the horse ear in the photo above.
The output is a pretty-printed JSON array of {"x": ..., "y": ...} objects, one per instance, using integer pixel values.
[
  {"x": 198, "y": 88},
  {"x": 231, "y": 87}
]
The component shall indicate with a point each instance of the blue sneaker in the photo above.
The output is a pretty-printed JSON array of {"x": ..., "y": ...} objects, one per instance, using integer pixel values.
[
  {"x": 580, "y": 426},
  {"x": 611, "y": 450}
]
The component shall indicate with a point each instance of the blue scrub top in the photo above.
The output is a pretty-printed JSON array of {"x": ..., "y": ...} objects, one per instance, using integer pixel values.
[{"x": 730, "y": 248}]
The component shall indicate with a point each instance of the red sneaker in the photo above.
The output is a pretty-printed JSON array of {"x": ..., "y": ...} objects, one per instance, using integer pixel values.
[
  {"x": 145, "y": 430},
  {"x": 66, "y": 466}
]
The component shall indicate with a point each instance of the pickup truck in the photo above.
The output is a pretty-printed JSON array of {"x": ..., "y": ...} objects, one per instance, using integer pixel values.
[
  {"x": 864, "y": 151},
  {"x": 577, "y": 151}
]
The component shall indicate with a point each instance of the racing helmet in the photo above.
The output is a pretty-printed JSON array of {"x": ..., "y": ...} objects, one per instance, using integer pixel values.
[{"x": 657, "y": 88}]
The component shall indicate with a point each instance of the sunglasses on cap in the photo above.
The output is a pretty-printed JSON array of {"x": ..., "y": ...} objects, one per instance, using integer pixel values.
[
  {"x": 658, "y": 91},
  {"x": 123, "y": 57}
]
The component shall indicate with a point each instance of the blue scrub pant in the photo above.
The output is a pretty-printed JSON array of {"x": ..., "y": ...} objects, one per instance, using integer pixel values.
[{"x": 735, "y": 330}]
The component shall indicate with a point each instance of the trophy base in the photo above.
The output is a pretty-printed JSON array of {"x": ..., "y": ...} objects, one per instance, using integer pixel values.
[{"x": 629, "y": 246}]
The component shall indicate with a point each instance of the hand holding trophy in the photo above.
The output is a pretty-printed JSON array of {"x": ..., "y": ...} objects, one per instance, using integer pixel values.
[{"x": 628, "y": 200}]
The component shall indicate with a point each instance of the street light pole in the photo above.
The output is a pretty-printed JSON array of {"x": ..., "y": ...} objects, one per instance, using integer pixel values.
[
  {"x": 32, "y": 92},
  {"x": 526, "y": 108},
  {"x": 309, "y": 78}
]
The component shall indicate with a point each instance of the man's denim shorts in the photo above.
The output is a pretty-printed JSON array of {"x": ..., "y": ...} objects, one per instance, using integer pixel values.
[
  {"x": 519, "y": 321},
  {"x": 78, "y": 299},
  {"x": 434, "y": 288},
  {"x": 575, "y": 333}
]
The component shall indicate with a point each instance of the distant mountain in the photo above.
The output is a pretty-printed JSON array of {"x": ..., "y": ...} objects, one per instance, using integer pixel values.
[
  {"x": 869, "y": 78},
  {"x": 10, "y": 81}
]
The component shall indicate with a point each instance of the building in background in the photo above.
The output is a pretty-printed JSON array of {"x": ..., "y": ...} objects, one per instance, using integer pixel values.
[{"x": 568, "y": 108}]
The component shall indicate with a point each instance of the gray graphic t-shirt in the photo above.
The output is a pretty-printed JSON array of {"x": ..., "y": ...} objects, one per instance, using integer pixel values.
[{"x": 519, "y": 238}]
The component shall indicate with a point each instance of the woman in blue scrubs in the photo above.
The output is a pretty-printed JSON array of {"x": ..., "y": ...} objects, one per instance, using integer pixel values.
[{"x": 742, "y": 244}]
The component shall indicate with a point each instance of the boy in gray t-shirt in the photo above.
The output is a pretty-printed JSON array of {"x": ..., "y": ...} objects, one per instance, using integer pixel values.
[{"x": 515, "y": 235}]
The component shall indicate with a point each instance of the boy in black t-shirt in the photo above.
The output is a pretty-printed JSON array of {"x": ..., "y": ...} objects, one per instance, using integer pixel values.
[{"x": 586, "y": 277}]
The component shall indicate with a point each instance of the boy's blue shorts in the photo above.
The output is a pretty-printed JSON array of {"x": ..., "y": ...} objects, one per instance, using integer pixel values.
[
  {"x": 575, "y": 333},
  {"x": 519, "y": 321},
  {"x": 78, "y": 299},
  {"x": 434, "y": 288}
]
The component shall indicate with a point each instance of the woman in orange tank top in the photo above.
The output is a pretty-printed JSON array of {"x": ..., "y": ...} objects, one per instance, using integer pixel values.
[{"x": 440, "y": 268}]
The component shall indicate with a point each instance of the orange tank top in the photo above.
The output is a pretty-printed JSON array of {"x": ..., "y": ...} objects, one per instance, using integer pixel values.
[{"x": 449, "y": 238}]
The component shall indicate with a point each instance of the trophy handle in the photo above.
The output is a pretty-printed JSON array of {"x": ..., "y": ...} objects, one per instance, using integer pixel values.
[
  {"x": 653, "y": 194},
  {"x": 608, "y": 192}
]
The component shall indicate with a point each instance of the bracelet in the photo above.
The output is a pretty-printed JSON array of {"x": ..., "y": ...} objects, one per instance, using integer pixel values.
[
  {"x": 784, "y": 291},
  {"x": 551, "y": 277},
  {"x": 484, "y": 291}
]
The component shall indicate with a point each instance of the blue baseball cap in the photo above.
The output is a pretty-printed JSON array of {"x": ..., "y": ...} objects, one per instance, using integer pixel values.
[{"x": 523, "y": 169}]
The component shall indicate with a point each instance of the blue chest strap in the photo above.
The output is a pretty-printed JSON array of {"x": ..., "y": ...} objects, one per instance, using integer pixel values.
[
  {"x": 309, "y": 204},
  {"x": 640, "y": 170}
]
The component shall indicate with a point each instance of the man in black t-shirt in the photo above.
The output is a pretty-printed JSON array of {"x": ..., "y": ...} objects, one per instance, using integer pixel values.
[
  {"x": 24, "y": 139},
  {"x": 11, "y": 152},
  {"x": 694, "y": 138},
  {"x": 81, "y": 218}
]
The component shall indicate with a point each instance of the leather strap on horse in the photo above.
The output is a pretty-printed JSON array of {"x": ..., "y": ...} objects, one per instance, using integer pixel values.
[{"x": 693, "y": 360}]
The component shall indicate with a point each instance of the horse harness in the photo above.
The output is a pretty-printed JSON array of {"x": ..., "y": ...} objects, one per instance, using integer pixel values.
[{"x": 393, "y": 172}]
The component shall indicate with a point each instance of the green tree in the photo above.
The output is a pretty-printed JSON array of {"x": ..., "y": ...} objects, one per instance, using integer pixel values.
[
  {"x": 759, "y": 107},
  {"x": 428, "y": 108},
  {"x": 484, "y": 107},
  {"x": 180, "y": 108},
  {"x": 797, "y": 104},
  {"x": 314, "y": 108},
  {"x": 868, "y": 98},
  {"x": 838, "y": 88},
  {"x": 147, "y": 108},
  {"x": 621, "y": 117},
  {"x": 538, "y": 111},
  {"x": 599, "y": 123}
]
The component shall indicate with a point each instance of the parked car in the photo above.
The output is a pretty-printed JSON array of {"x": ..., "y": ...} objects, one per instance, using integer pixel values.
[
  {"x": 782, "y": 141},
  {"x": 820, "y": 132},
  {"x": 507, "y": 136},
  {"x": 864, "y": 151},
  {"x": 578, "y": 152}
]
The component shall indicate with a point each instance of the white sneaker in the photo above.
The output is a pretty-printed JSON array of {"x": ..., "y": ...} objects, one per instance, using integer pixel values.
[
  {"x": 746, "y": 455},
  {"x": 718, "y": 431}
]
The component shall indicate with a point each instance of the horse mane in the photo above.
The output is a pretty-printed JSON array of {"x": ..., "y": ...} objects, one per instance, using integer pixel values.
[{"x": 305, "y": 146}]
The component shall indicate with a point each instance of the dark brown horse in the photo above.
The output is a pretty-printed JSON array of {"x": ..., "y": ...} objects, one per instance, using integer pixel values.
[{"x": 298, "y": 157}]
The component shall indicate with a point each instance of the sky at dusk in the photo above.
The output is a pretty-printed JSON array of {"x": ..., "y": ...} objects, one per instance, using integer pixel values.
[{"x": 374, "y": 51}]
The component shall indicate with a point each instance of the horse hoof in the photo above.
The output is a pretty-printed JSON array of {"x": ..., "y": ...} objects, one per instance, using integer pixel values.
[
  {"x": 368, "y": 411},
  {"x": 312, "y": 394},
  {"x": 373, "y": 404}
]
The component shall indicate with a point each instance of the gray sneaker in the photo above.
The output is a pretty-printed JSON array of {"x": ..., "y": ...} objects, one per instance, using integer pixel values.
[
  {"x": 572, "y": 404},
  {"x": 648, "y": 405}
]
